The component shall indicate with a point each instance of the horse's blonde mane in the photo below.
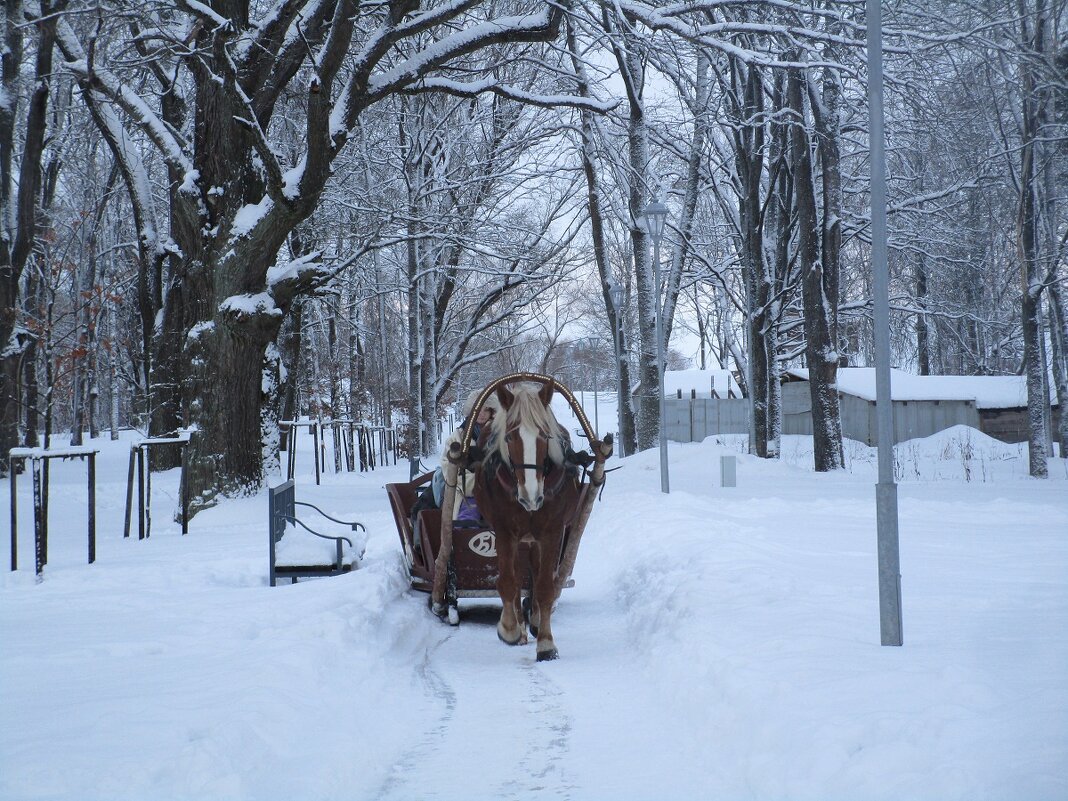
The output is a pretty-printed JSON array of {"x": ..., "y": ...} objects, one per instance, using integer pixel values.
[{"x": 527, "y": 408}]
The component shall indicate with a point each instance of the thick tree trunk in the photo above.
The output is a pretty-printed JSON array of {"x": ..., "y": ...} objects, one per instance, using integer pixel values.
[
  {"x": 648, "y": 414},
  {"x": 16, "y": 242},
  {"x": 818, "y": 300},
  {"x": 777, "y": 235},
  {"x": 749, "y": 144}
]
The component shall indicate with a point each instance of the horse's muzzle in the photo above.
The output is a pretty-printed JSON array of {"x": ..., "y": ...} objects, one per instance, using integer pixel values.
[{"x": 531, "y": 506}]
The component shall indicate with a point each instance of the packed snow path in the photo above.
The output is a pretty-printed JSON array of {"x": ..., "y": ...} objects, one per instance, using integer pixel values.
[{"x": 719, "y": 643}]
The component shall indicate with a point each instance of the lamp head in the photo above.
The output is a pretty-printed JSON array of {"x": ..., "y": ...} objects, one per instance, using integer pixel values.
[{"x": 655, "y": 216}]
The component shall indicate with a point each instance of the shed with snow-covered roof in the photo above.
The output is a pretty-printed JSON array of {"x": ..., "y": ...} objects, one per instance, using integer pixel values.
[{"x": 923, "y": 404}]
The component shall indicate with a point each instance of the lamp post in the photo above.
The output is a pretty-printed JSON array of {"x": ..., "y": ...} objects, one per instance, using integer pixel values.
[
  {"x": 886, "y": 490},
  {"x": 655, "y": 216},
  {"x": 615, "y": 295}
]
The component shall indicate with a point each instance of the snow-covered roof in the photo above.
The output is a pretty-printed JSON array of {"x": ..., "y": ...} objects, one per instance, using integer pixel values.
[
  {"x": 988, "y": 391},
  {"x": 700, "y": 380}
]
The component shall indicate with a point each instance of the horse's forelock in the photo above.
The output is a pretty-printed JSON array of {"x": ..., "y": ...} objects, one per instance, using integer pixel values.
[{"x": 527, "y": 408}]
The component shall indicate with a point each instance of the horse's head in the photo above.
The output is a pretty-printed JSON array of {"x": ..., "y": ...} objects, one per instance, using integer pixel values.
[{"x": 528, "y": 439}]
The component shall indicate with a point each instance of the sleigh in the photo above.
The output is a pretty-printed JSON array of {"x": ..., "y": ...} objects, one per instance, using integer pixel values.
[
  {"x": 453, "y": 559},
  {"x": 474, "y": 559}
]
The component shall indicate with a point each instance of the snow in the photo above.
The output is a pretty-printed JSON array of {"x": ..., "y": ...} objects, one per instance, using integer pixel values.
[
  {"x": 295, "y": 268},
  {"x": 299, "y": 548},
  {"x": 719, "y": 643},
  {"x": 988, "y": 391},
  {"x": 259, "y": 303},
  {"x": 700, "y": 380},
  {"x": 292, "y": 177},
  {"x": 201, "y": 328},
  {"x": 249, "y": 215}
]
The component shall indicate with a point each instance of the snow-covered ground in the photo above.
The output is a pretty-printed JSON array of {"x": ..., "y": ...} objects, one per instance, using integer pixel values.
[{"x": 719, "y": 643}]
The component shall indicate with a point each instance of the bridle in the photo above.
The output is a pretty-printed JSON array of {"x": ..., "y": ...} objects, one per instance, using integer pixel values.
[{"x": 507, "y": 474}]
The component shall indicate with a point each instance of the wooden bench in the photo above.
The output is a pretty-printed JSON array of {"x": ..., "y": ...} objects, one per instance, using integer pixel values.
[{"x": 302, "y": 557}]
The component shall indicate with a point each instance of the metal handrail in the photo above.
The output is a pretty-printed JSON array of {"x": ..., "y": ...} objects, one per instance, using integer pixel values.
[{"x": 329, "y": 517}]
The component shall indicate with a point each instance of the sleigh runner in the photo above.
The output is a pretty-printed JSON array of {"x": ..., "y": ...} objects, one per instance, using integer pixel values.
[{"x": 453, "y": 560}]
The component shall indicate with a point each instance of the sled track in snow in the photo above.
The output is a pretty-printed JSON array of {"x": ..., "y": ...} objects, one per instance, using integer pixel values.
[
  {"x": 543, "y": 769},
  {"x": 396, "y": 785}
]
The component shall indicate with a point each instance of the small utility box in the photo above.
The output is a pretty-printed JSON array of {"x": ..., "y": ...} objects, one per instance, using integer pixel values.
[{"x": 728, "y": 471}]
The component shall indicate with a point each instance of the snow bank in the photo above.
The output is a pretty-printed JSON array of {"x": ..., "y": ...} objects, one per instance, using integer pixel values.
[{"x": 719, "y": 643}]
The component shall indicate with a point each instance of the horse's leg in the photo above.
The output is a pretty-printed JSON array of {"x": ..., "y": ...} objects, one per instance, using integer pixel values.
[
  {"x": 534, "y": 618},
  {"x": 544, "y": 594},
  {"x": 510, "y": 628}
]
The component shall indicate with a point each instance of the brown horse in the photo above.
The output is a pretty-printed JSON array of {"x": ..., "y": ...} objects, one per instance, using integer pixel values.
[{"x": 527, "y": 494}]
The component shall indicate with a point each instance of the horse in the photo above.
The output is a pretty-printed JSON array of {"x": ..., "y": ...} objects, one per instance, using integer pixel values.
[{"x": 526, "y": 493}]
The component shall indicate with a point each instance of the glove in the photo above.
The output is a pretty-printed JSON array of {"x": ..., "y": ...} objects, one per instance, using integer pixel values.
[{"x": 583, "y": 458}]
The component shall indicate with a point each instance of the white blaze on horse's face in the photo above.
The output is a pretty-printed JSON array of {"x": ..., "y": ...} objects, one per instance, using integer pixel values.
[
  {"x": 530, "y": 478},
  {"x": 526, "y": 443}
]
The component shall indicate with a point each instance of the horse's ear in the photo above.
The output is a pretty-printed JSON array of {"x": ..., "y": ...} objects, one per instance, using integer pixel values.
[
  {"x": 546, "y": 393},
  {"x": 505, "y": 397}
]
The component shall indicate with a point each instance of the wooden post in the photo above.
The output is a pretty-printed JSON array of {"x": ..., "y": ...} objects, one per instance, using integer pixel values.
[
  {"x": 336, "y": 432},
  {"x": 148, "y": 490},
  {"x": 92, "y": 508},
  {"x": 140, "y": 494},
  {"x": 129, "y": 496},
  {"x": 14, "y": 514},
  {"x": 184, "y": 493},
  {"x": 38, "y": 533},
  {"x": 350, "y": 449},
  {"x": 47, "y": 473},
  {"x": 315, "y": 449}
]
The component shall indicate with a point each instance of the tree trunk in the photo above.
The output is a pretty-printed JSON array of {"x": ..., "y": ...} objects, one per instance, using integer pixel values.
[
  {"x": 16, "y": 241},
  {"x": 291, "y": 364},
  {"x": 616, "y": 317},
  {"x": 923, "y": 336},
  {"x": 819, "y": 295},
  {"x": 1059, "y": 341},
  {"x": 627, "y": 48},
  {"x": 1029, "y": 242},
  {"x": 747, "y": 96}
]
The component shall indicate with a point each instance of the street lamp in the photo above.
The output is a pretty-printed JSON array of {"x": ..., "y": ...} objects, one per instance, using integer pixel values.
[
  {"x": 655, "y": 216},
  {"x": 615, "y": 295}
]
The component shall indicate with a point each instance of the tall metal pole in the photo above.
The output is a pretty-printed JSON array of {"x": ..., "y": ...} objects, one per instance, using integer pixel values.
[
  {"x": 886, "y": 489},
  {"x": 617, "y": 296},
  {"x": 596, "y": 402},
  {"x": 664, "y": 483}
]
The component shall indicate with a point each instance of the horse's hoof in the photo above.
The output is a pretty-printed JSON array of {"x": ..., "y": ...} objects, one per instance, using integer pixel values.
[
  {"x": 454, "y": 616},
  {"x": 548, "y": 656},
  {"x": 505, "y": 640},
  {"x": 526, "y": 617}
]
